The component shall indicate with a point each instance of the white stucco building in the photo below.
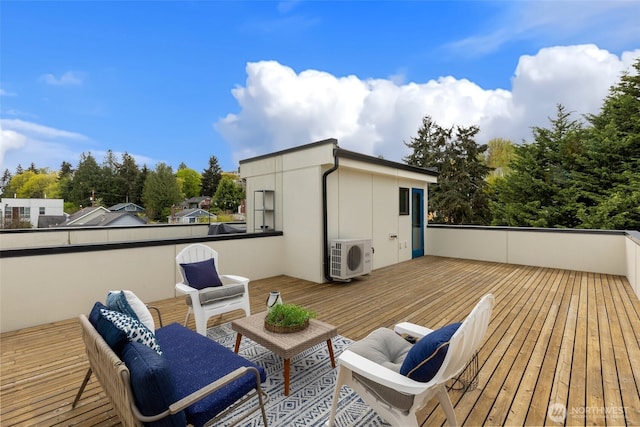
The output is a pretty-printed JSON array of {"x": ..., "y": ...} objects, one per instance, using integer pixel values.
[
  {"x": 15, "y": 209},
  {"x": 319, "y": 192}
]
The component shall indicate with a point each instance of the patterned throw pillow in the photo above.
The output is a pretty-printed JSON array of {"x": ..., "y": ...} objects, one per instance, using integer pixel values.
[{"x": 133, "y": 328}]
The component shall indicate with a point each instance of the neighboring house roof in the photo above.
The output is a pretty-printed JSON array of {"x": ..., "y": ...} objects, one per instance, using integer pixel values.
[
  {"x": 84, "y": 215},
  {"x": 110, "y": 219},
  {"x": 129, "y": 207},
  {"x": 101, "y": 217},
  {"x": 192, "y": 213}
]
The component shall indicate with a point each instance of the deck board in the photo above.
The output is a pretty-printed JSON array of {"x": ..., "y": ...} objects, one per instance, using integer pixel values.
[{"x": 556, "y": 336}]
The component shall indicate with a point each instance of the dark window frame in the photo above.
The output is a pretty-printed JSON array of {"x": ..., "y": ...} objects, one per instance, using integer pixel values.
[{"x": 403, "y": 203}]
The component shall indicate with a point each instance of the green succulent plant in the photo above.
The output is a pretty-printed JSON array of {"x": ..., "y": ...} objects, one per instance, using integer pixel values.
[{"x": 288, "y": 315}]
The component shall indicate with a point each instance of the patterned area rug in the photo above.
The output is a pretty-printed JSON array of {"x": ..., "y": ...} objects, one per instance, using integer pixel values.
[{"x": 311, "y": 386}]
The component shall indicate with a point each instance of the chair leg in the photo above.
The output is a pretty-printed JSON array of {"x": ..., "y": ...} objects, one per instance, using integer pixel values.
[
  {"x": 342, "y": 373},
  {"x": 186, "y": 319},
  {"x": 84, "y": 384},
  {"x": 445, "y": 402}
]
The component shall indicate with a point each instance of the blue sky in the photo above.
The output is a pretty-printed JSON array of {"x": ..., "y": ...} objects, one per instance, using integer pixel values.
[{"x": 180, "y": 81}]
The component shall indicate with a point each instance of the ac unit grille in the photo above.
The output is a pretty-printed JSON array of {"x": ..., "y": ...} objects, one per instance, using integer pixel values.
[{"x": 350, "y": 258}]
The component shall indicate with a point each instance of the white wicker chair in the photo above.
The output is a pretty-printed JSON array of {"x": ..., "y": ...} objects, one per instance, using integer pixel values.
[
  {"x": 381, "y": 387},
  {"x": 209, "y": 302}
]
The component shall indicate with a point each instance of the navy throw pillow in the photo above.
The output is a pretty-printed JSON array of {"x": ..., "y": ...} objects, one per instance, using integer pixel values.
[
  {"x": 118, "y": 302},
  {"x": 202, "y": 274},
  {"x": 116, "y": 338},
  {"x": 426, "y": 356},
  {"x": 152, "y": 384}
]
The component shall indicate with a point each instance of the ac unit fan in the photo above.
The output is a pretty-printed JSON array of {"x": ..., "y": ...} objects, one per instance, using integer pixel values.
[{"x": 350, "y": 258}]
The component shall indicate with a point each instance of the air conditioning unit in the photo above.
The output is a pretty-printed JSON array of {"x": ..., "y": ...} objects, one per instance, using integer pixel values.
[{"x": 350, "y": 258}]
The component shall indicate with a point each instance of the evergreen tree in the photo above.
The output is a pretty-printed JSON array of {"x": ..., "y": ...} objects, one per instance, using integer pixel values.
[
  {"x": 86, "y": 180},
  {"x": 138, "y": 188},
  {"x": 161, "y": 192},
  {"x": 110, "y": 190},
  {"x": 538, "y": 192},
  {"x": 65, "y": 175},
  {"x": 608, "y": 176},
  {"x": 459, "y": 197},
  {"x": 211, "y": 178},
  {"x": 4, "y": 182},
  {"x": 128, "y": 173}
]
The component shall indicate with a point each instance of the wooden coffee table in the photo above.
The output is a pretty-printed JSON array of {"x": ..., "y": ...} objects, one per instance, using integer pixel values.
[{"x": 284, "y": 345}]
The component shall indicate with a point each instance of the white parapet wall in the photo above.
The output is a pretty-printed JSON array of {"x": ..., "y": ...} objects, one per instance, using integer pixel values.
[
  {"x": 600, "y": 251},
  {"x": 47, "y": 284}
]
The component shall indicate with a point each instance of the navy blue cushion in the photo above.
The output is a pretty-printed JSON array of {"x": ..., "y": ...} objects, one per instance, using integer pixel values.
[
  {"x": 202, "y": 274},
  {"x": 117, "y": 301},
  {"x": 196, "y": 361},
  {"x": 116, "y": 338},
  {"x": 152, "y": 384},
  {"x": 425, "y": 358}
]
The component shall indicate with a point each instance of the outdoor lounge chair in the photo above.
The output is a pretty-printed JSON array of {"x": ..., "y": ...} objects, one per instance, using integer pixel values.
[
  {"x": 209, "y": 293},
  {"x": 397, "y": 378},
  {"x": 174, "y": 388}
]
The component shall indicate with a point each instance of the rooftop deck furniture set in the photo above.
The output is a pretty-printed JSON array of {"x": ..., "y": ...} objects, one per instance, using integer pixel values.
[
  {"x": 171, "y": 377},
  {"x": 176, "y": 376}
]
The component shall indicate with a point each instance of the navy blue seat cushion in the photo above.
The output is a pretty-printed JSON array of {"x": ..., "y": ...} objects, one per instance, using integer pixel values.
[
  {"x": 196, "y": 361},
  {"x": 152, "y": 384},
  {"x": 202, "y": 274},
  {"x": 425, "y": 358}
]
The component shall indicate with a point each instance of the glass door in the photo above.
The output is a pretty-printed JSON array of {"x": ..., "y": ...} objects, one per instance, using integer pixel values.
[{"x": 417, "y": 222}]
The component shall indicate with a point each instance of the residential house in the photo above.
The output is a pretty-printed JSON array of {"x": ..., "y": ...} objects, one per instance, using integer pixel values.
[
  {"x": 127, "y": 207},
  {"x": 197, "y": 203},
  {"x": 190, "y": 216},
  {"x": 18, "y": 210},
  {"x": 319, "y": 192},
  {"x": 98, "y": 216}
]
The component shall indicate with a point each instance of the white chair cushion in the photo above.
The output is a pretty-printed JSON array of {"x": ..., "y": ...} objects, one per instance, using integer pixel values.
[
  {"x": 218, "y": 293},
  {"x": 386, "y": 348}
]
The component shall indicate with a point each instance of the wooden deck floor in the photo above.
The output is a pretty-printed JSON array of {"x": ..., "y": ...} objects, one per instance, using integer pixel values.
[{"x": 555, "y": 337}]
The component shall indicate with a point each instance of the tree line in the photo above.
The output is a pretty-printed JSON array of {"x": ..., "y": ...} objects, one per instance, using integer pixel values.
[
  {"x": 122, "y": 180},
  {"x": 571, "y": 175}
]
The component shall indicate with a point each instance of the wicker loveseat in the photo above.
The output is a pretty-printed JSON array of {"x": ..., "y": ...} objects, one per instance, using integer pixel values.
[{"x": 194, "y": 381}]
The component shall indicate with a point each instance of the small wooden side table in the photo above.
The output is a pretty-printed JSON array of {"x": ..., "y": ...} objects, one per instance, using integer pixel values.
[{"x": 285, "y": 345}]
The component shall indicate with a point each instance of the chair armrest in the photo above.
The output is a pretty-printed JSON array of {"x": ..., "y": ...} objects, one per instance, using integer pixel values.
[
  {"x": 234, "y": 278},
  {"x": 210, "y": 388},
  {"x": 412, "y": 329},
  {"x": 381, "y": 374},
  {"x": 186, "y": 289},
  {"x": 157, "y": 310}
]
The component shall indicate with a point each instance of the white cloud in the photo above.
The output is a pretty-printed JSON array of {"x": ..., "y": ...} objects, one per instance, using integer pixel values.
[
  {"x": 281, "y": 108},
  {"x": 612, "y": 22},
  {"x": 67, "y": 79},
  {"x": 5, "y": 93},
  {"x": 25, "y": 142}
]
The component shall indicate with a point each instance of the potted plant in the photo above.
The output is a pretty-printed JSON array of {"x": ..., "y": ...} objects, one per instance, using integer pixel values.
[{"x": 285, "y": 318}]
